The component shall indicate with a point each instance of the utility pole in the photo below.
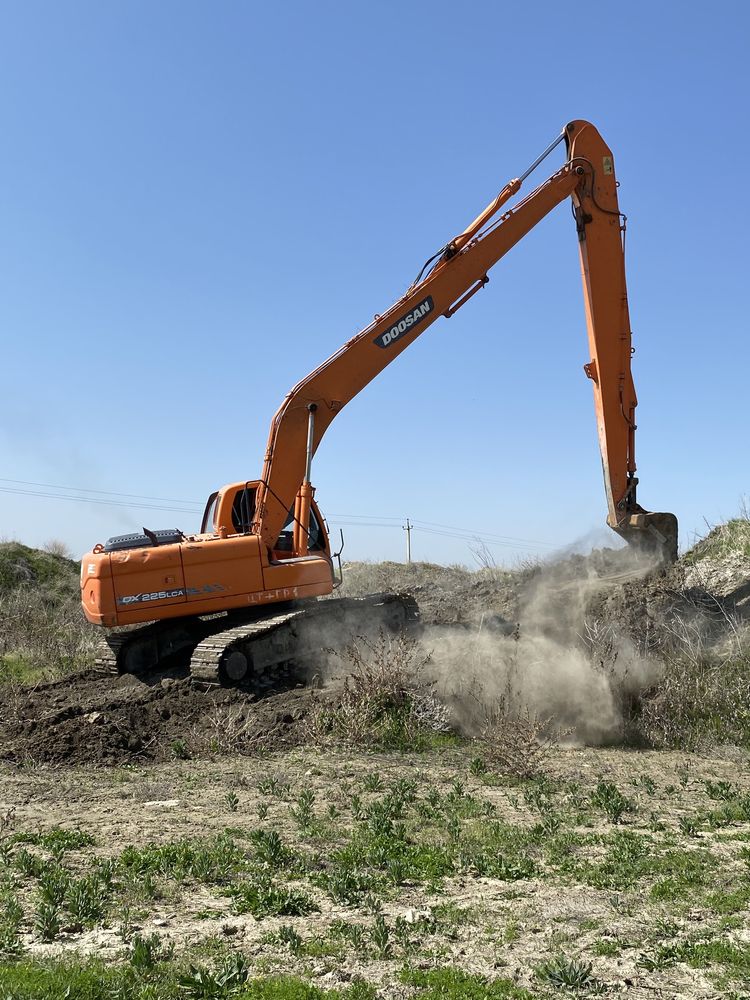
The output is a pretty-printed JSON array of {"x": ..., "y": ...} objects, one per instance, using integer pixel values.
[{"x": 407, "y": 528}]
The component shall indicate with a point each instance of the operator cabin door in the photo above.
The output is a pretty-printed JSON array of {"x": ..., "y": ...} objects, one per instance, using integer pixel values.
[{"x": 312, "y": 571}]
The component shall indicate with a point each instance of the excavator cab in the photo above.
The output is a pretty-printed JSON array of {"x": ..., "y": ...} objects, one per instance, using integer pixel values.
[{"x": 225, "y": 567}]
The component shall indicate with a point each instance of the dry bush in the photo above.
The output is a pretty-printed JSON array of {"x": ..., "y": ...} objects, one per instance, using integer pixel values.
[
  {"x": 57, "y": 547},
  {"x": 384, "y": 701},
  {"x": 51, "y": 636},
  {"x": 514, "y": 737},
  {"x": 703, "y": 694},
  {"x": 225, "y": 729},
  {"x": 520, "y": 745}
]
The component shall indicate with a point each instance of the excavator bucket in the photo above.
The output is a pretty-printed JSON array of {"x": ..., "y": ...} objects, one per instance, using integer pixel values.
[{"x": 653, "y": 533}]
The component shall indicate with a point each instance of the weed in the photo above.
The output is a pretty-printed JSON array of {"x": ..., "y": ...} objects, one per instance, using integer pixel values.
[
  {"x": 451, "y": 983},
  {"x": 646, "y": 782},
  {"x": 272, "y": 786},
  {"x": 518, "y": 743},
  {"x": 702, "y": 697},
  {"x": 270, "y": 849},
  {"x": 205, "y": 984},
  {"x": 179, "y": 750},
  {"x": 384, "y": 704},
  {"x": 42, "y": 630},
  {"x": 303, "y": 813},
  {"x": 126, "y": 926},
  {"x": 29, "y": 864},
  {"x": 354, "y": 934},
  {"x": 688, "y": 825},
  {"x": 570, "y": 973},
  {"x": 381, "y": 937},
  {"x": 288, "y": 936},
  {"x": 47, "y": 920},
  {"x": 723, "y": 791},
  {"x": 372, "y": 905},
  {"x": 477, "y": 766},
  {"x": 609, "y": 798},
  {"x": 10, "y": 927},
  {"x": 511, "y": 932},
  {"x": 55, "y": 840},
  {"x": 608, "y": 947},
  {"x": 433, "y": 798},
  {"x": 730, "y": 902},
  {"x": 84, "y": 899},
  {"x": 346, "y": 885},
  {"x": 211, "y": 863},
  {"x": 262, "y": 898},
  {"x": 147, "y": 951},
  {"x": 54, "y": 882},
  {"x": 372, "y": 782}
]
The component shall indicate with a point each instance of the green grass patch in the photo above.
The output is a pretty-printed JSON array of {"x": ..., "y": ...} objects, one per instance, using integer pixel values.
[
  {"x": 55, "y": 840},
  {"x": 209, "y": 862},
  {"x": 263, "y": 898},
  {"x": 450, "y": 983},
  {"x": 160, "y": 980},
  {"x": 733, "y": 957}
]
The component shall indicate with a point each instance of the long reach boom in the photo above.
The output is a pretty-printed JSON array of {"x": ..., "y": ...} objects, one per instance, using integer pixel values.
[{"x": 448, "y": 280}]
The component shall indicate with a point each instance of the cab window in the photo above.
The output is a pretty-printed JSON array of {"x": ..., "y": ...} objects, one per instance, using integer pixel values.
[
  {"x": 209, "y": 514},
  {"x": 243, "y": 510},
  {"x": 316, "y": 540}
]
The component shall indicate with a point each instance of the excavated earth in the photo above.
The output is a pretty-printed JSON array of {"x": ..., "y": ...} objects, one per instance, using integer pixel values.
[
  {"x": 87, "y": 718},
  {"x": 90, "y": 718}
]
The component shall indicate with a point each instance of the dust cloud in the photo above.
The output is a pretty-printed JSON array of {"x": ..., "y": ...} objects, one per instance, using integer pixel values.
[{"x": 558, "y": 664}]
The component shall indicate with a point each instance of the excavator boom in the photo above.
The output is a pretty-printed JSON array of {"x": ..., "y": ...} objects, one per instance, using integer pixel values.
[{"x": 459, "y": 271}]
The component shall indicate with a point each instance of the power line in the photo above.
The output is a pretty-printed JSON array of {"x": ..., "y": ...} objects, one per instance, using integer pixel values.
[
  {"x": 528, "y": 541},
  {"x": 490, "y": 542},
  {"x": 191, "y": 507},
  {"x": 94, "y": 500},
  {"x": 107, "y": 493}
]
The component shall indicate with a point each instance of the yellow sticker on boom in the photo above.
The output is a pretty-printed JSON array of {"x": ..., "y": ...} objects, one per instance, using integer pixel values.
[{"x": 607, "y": 164}]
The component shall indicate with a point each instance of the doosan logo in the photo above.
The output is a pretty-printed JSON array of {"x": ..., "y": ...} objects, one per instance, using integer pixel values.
[{"x": 401, "y": 326}]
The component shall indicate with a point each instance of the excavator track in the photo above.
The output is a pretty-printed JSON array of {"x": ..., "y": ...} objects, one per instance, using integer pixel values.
[
  {"x": 264, "y": 651},
  {"x": 210, "y": 655}
]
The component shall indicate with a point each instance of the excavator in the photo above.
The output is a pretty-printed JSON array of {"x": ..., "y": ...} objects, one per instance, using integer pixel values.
[{"x": 240, "y": 599}]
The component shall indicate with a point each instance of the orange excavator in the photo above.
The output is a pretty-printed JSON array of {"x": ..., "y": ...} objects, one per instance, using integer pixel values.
[{"x": 239, "y": 599}]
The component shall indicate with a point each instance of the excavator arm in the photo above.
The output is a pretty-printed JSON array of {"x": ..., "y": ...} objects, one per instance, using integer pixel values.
[{"x": 456, "y": 273}]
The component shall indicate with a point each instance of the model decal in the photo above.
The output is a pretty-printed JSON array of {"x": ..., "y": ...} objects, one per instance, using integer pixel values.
[{"x": 165, "y": 595}]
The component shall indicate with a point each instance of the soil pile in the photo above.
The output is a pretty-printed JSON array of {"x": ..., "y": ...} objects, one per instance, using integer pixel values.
[{"x": 90, "y": 718}]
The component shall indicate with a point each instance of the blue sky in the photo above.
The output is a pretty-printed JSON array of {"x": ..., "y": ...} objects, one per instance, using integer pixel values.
[{"x": 200, "y": 202}]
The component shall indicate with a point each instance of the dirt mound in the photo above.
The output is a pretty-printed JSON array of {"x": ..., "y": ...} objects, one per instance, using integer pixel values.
[
  {"x": 90, "y": 718},
  {"x": 21, "y": 566},
  {"x": 447, "y": 595}
]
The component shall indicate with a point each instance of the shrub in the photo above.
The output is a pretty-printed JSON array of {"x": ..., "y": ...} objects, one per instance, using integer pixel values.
[{"x": 385, "y": 702}]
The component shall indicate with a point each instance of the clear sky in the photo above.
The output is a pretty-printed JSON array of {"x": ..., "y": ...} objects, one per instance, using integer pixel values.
[{"x": 199, "y": 202}]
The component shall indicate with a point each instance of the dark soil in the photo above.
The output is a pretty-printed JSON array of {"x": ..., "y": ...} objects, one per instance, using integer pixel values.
[{"x": 93, "y": 718}]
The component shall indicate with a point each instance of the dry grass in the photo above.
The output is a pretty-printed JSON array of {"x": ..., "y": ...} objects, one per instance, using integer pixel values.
[
  {"x": 703, "y": 694},
  {"x": 40, "y": 636},
  {"x": 384, "y": 700},
  {"x": 520, "y": 745},
  {"x": 226, "y": 729}
]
